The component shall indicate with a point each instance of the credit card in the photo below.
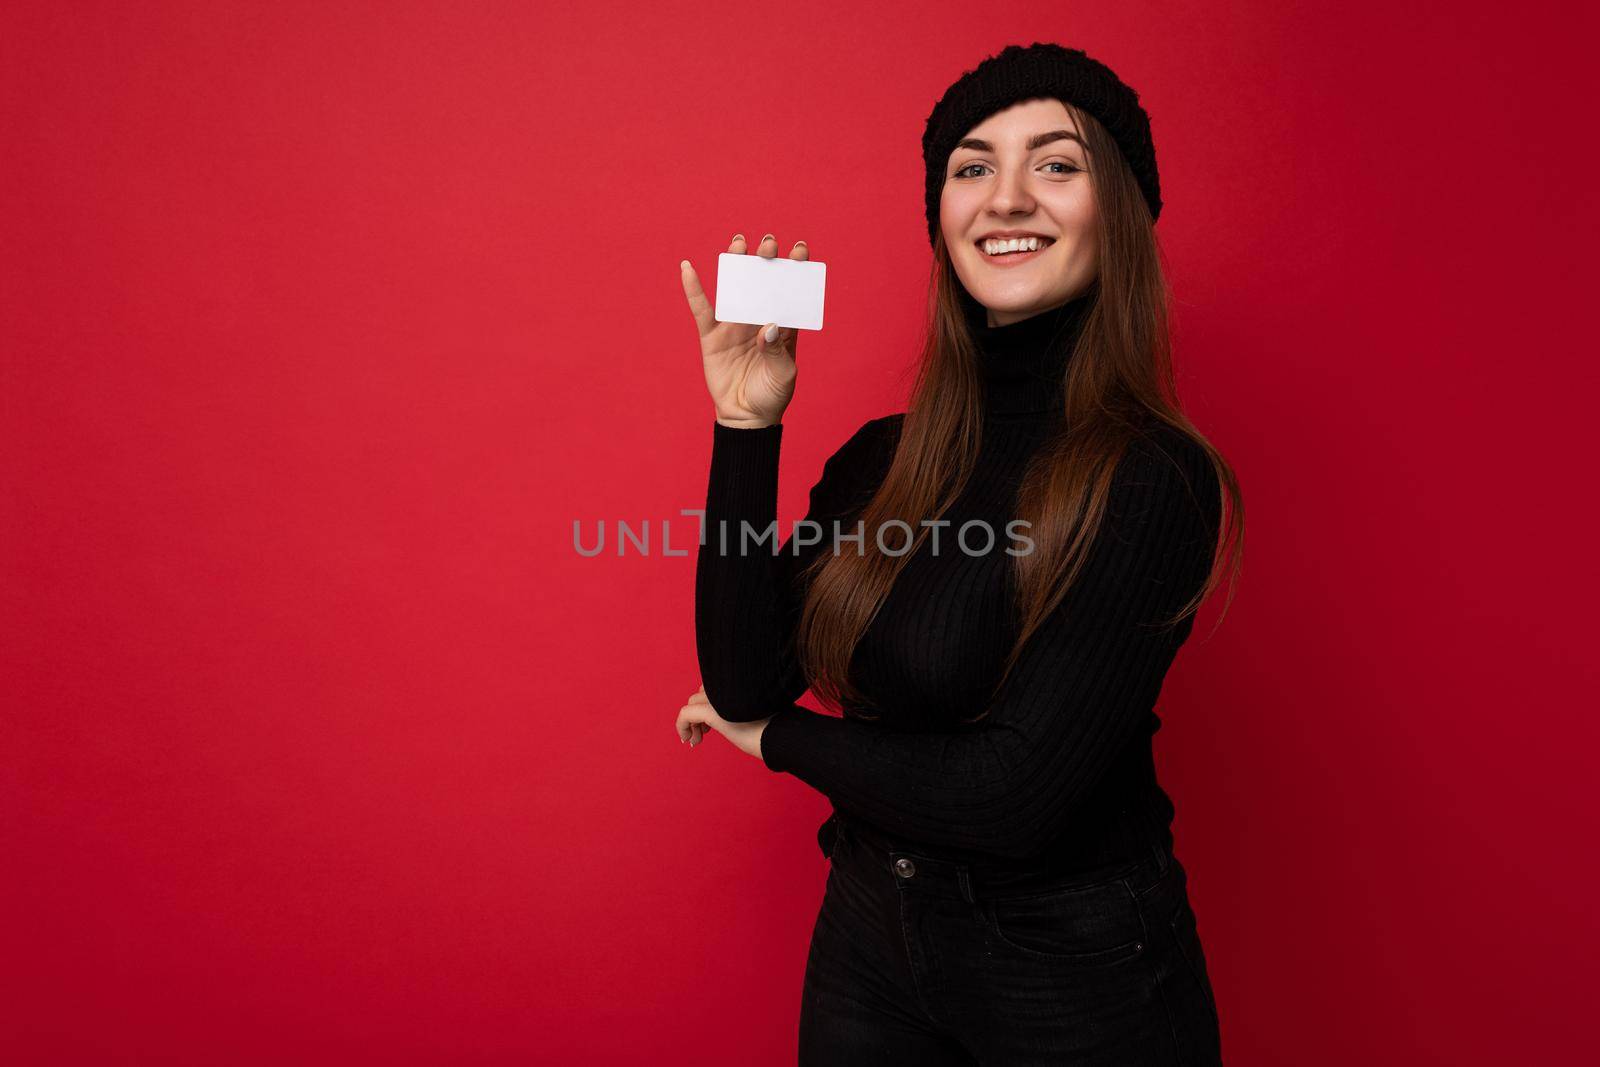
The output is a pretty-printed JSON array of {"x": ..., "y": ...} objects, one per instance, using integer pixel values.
[{"x": 758, "y": 290}]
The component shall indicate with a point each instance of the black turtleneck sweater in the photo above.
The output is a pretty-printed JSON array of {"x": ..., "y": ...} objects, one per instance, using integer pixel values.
[{"x": 1060, "y": 774}]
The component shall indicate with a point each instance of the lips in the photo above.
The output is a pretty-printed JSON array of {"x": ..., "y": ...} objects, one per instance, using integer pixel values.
[{"x": 1014, "y": 259}]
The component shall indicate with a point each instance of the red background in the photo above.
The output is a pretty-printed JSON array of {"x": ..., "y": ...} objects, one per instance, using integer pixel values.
[{"x": 323, "y": 323}]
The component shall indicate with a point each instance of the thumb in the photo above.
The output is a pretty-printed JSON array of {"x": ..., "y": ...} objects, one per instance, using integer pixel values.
[{"x": 777, "y": 343}]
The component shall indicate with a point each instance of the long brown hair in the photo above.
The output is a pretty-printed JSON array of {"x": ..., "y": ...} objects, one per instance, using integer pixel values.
[{"x": 1119, "y": 376}]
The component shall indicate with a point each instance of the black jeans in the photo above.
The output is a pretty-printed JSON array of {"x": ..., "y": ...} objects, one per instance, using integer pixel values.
[{"x": 916, "y": 959}]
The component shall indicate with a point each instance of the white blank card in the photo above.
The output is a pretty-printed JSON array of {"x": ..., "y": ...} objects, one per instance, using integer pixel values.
[{"x": 758, "y": 290}]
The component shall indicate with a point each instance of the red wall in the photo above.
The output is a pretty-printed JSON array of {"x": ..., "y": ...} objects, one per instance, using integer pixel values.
[{"x": 323, "y": 323}]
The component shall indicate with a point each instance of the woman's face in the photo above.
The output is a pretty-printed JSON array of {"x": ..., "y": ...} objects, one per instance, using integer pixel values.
[{"x": 1021, "y": 170}]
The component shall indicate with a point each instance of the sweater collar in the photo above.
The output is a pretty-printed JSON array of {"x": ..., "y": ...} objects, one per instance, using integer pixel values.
[{"x": 1023, "y": 365}]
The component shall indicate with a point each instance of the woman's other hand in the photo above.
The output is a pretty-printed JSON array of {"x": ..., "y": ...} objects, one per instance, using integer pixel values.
[
  {"x": 751, "y": 378},
  {"x": 695, "y": 717}
]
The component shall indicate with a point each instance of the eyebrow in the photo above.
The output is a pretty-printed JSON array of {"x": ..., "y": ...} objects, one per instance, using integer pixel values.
[{"x": 1038, "y": 140}]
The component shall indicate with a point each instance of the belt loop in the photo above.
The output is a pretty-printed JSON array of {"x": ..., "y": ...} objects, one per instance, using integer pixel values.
[
  {"x": 1162, "y": 858},
  {"x": 966, "y": 883}
]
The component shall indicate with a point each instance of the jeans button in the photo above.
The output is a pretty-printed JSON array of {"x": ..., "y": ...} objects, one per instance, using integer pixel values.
[{"x": 904, "y": 867}]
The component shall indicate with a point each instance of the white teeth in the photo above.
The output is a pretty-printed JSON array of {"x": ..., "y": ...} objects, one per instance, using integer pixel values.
[{"x": 1015, "y": 244}]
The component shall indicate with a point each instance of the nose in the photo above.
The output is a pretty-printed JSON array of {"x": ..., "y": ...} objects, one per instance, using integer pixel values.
[{"x": 1011, "y": 195}]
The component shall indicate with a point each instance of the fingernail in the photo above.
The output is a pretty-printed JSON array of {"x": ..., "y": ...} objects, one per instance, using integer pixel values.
[
  {"x": 772, "y": 333},
  {"x": 767, "y": 238},
  {"x": 682, "y": 263},
  {"x": 800, "y": 242},
  {"x": 738, "y": 237}
]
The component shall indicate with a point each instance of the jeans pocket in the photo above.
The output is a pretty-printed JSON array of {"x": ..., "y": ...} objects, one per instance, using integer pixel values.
[
  {"x": 1092, "y": 926},
  {"x": 1186, "y": 934}
]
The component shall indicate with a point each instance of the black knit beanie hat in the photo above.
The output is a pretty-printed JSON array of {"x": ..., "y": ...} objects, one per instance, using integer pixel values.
[{"x": 1039, "y": 70}]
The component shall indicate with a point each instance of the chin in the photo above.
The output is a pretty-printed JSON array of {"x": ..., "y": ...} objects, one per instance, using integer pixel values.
[{"x": 1013, "y": 300}]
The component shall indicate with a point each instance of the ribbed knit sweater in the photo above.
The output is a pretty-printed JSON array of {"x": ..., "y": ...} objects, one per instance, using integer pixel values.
[{"x": 1060, "y": 774}]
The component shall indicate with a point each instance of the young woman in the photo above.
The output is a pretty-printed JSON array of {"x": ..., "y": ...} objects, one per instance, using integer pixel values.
[{"x": 990, "y": 587}]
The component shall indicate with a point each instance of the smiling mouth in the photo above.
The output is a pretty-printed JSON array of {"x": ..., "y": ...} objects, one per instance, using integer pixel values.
[
  {"x": 1044, "y": 243},
  {"x": 1007, "y": 260}
]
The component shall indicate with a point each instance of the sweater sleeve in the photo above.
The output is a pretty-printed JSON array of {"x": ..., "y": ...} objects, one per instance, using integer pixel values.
[
  {"x": 1080, "y": 693},
  {"x": 748, "y": 596}
]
